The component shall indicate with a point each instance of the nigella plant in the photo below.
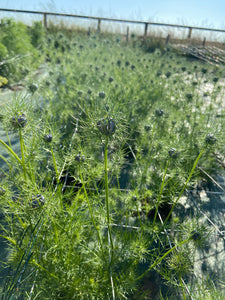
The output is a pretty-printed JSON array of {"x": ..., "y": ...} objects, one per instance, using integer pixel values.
[
  {"x": 106, "y": 126},
  {"x": 173, "y": 153},
  {"x": 2, "y": 191},
  {"x": 159, "y": 112},
  {"x": 210, "y": 139},
  {"x": 19, "y": 121},
  {"x": 37, "y": 201},
  {"x": 47, "y": 138},
  {"x": 33, "y": 88}
]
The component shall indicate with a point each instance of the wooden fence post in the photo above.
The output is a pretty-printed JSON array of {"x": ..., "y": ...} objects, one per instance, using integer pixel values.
[
  {"x": 189, "y": 32},
  {"x": 203, "y": 44},
  {"x": 146, "y": 30},
  {"x": 45, "y": 21},
  {"x": 167, "y": 39},
  {"x": 127, "y": 36},
  {"x": 99, "y": 25}
]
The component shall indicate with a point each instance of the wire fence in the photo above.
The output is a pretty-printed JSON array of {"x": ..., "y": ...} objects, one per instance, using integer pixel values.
[{"x": 100, "y": 20}]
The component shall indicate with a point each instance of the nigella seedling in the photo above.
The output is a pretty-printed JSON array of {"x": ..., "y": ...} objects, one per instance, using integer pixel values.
[
  {"x": 37, "y": 201},
  {"x": 106, "y": 126},
  {"x": 47, "y": 138},
  {"x": 173, "y": 153},
  {"x": 2, "y": 191},
  {"x": 111, "y": 79},
  {"x": 210, "y": 139},
  {"x": 159, "y": 112},
  {"x": 19, "y": 121}
]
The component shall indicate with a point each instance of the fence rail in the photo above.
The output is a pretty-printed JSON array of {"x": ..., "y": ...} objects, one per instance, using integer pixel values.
[{"x": 100, "y": 19}]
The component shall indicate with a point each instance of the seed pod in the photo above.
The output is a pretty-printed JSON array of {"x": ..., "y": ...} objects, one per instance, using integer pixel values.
[
  {"x": 189, "y": 96},
  {"x": 37, "y": 201},
  {"x": 19, "y": 121},
  {"x": 101, "y": 95},
  {"x": 173, "y": 153},
  {"x": 33, "y": 87},
  {"x": 195, "y": 235},
  {"x": 118, "y": 63},
  {"x": 80, "y": 158},
  {"x": 159, "y": 112},
  {"x": 106, "y": 126},
  {"x": 168, "y": 74},
  {"x": 210, "y": 139},
  {"x": 47, "y": 138},
  {"x": 147, "y": 127}
]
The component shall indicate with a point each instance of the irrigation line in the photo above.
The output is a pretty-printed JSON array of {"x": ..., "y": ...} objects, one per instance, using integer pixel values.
[
  {"x": 221, "y": 233},
  {"x": 110, "y": 266},
  {"x": 131, "y": 190},
  {"x": 214, "y": 193},
  {"x": 213, "y": 180},
  {"x": 134, "y": 156},
  {"x": 165, "y": 231}
]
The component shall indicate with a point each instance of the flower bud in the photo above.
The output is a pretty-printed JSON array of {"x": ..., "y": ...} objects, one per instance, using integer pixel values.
[
  {"x": 106, "y": 126},
  {"x": 19, "y": 121},
  {"x": 47, "y": 138},
  {"x": 210, "y": 139},
  {"x": 37, "y": 201}
]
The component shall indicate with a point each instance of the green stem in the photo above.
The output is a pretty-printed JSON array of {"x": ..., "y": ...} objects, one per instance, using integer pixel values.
[
  {"x": 55, "y": 166},
  {"x": 108, "y": 219},
  {"x": 160, "y": 194},
  {"x": 10, "y": 145},
  {"x": 5, "y": 160},
  {"x": 90, "y": 209},
  {"x": 11, "y": 151},
  {"x": 182, "y": 286},
  {"x": 22, "y": 153},
  {"x": 107, "y": 193},
  {"x": 161, "y": 258},
  {"x": 184, "y": 187}
]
